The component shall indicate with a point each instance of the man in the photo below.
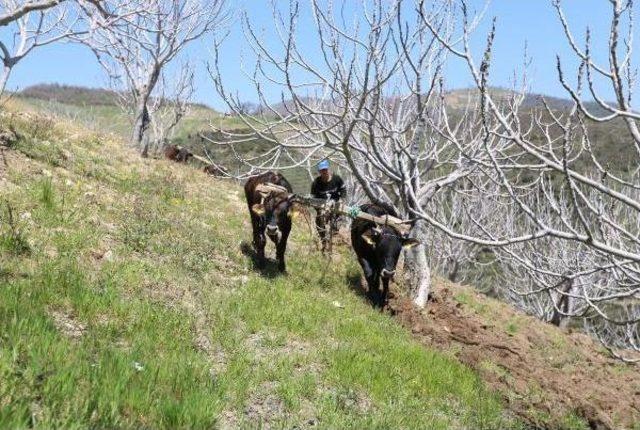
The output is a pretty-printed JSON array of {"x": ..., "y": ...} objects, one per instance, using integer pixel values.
[{"x": 327, "y": 186}]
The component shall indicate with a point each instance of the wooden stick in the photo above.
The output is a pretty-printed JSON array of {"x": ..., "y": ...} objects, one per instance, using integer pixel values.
[
  {"x": 196, "y": 157},
  {"x": 343, "y": 209},
  {"x": 271, "y": 188}
]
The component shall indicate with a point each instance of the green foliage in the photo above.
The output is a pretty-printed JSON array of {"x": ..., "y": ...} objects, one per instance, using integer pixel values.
[
  {"x": 12, "y": 239},
  {"x": 47, "y": 194}
]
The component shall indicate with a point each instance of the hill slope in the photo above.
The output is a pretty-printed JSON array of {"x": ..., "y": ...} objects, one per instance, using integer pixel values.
[
  {"x": 126, "y": 301},
  {"x": 98, "y": 109}
]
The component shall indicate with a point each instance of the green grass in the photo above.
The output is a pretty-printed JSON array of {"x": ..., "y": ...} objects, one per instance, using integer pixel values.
[{"x": 134, "y": 308}]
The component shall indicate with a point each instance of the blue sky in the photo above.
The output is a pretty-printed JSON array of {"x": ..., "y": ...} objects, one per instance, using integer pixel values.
[{"x": 519, "y": 21}]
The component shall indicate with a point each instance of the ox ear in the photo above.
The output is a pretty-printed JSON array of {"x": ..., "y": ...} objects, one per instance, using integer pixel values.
[
  {"x": 370, "y": 237},
  {"x": 258, "y": 209},
  {"x": 408, "y": 243}
]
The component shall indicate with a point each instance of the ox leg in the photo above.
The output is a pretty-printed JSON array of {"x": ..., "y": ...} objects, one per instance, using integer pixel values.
[
  {"x": 372, "y": 280},
  {"x": 375, "y": 295},
  {"x": 281, "y": 247},
  {"x": 385, "y": 293},
  {"x": 320, "y": 228},
  {"x": 259, "y": 242}
]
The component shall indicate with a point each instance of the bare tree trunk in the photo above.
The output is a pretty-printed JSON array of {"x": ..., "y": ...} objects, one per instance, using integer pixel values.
[
  {"x": 140, "y": 127},
  {"x": 4, "y": 78},
  {"x": 416, "y": 267},
  {"x": 561, "y": 307},
  {"x": 453, "y": 274}
]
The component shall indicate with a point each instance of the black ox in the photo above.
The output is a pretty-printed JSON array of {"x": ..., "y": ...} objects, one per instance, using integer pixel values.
[
  {"x": 270, "y": 214},
  {"x": 378, "y": 248}
]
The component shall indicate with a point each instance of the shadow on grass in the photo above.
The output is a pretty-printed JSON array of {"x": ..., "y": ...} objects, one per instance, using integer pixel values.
[
  {"x": 358, "y": 285},
  {"x": 270, "y": 267}
]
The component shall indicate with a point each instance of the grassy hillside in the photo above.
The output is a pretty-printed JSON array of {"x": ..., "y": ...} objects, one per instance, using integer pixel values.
[
  {"x": 128, "y": 299},
  {"x": 125, "y": 301},
  {"x": 97, "y": 109}
]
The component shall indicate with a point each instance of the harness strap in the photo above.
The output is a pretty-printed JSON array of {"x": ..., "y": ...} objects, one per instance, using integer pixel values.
[{"x": 353, "y": 212}]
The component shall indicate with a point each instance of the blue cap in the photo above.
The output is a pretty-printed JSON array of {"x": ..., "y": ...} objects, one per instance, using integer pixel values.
[{"x": 324, "y": 164}]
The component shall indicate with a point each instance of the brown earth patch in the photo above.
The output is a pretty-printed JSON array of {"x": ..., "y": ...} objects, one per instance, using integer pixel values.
[
  {"x": 67, "y": 324},
  {"x": 265, "y": 408},
  {"x": 228, "y": 420},
  {"x": 543, "y": 373}
]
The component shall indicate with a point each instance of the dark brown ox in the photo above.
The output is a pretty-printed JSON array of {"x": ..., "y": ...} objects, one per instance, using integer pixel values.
[
  {"x": 378, "y": 248},
  {"x": 181, "y": 155},
  {"x": 270, "y": 214}
]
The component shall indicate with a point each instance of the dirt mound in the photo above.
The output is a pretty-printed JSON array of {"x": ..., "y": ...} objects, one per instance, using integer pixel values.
[{"x": 546, "y": 376}]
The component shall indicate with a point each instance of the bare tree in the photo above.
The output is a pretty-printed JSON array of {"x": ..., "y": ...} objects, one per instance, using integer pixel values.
[
  {"x": 459, "y": 260},
  {"x": 621, "y": 340},
  {"x": 575, "y": 237},
  {"x": 35, "y": 23},
  {"x": 137, "y": 50},
  {"x": 30, "y": 25},
  {"x": 172, "y": 103}
]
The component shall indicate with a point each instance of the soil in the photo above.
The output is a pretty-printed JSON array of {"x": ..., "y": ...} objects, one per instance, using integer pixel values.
[
  {"x": 543, "y": 373},
  {"x": 67, "y": 324}
]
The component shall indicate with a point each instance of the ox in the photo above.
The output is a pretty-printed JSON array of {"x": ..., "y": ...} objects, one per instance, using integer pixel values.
[
  {"x": 378, "y": 248},
  {"x": 181, "y": 155},
  {"x": 271, "y": 214}
]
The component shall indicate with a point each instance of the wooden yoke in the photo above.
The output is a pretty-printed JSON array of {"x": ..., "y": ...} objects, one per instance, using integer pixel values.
[
  {"x": 268, "y": 187},
  {"x": 401, "y": 226}
]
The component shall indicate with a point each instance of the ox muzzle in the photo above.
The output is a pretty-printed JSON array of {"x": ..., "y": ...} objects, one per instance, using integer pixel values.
[
  {"x": 387, "y": 274},
  {"x": 272, "y": 230}
]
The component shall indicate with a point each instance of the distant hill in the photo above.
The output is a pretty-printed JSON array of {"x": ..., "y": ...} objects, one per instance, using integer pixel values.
[
  {"x": 457, "y": 99},
  {"x": 97, "y": 109},
  {"x": 69, "y": 94},
  {"x": 77, "y": 95},
  {"x": 461, "y": 98}
]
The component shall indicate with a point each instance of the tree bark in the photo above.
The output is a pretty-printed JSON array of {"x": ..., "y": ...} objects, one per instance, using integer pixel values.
[
  {"x": 11, "y": 16},
  {"x": 143, "y": 118},
  {"x": 416, "y": 267},
  {"x": 561, "y": 307},
  {"x": 453, "y": 274},
  {"x": 140, "y": 126},
  {"x": 4, "y": 78}
]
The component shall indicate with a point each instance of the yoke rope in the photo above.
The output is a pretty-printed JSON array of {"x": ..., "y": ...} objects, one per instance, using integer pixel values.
[{"x": 353, "y": 212}]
